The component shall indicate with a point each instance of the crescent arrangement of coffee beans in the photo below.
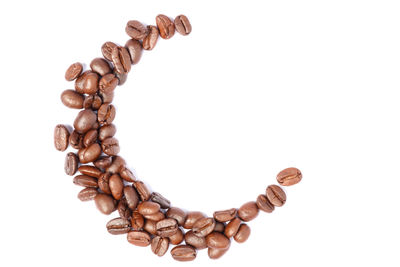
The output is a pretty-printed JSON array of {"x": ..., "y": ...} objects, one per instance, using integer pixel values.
[{"x": 147, "y": 218}]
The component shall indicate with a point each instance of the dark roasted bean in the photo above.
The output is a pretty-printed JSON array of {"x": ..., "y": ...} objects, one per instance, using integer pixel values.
[
  {"x": 264, "y": 204},
  {"x": 110, "y": 146},
  {"x": 139, "y": 238},
  {"x": 178, "y": 214},
  {"x": 121, "y": 59},
  {"x": 195, "y": 241},
  {"x": 183, "y": 253},
  {"x": 105, "y": 203},
  {"x": 90, "y": 153},
  {"x": 89, "y": 83},
  {"x": 135, "y": 49},
  {"x": 158, "y": 198},
  {"x": 116, "y": 186},
  {"x": 136, "y": 30},
  {"x": 106, "y": 49},
  {"x": 150, "y": 41},
  {"x": 80, "y": 81},
  {"x": 103, "y": 182},
  {"x": 76, "y": 140},
  {"x": 86, "y": 181},
  {"x": 159, "y": 245},
  {"x": 248, "y": 211},
  {"x": 100, "y": 66},
  {"x": 84, "y": 121},
  {"x": 123, "y": 209},
  {"x": 225, "y": 215},
  {"x": 137, "y": 221},
  {"x": 148, "y": 207},
  {"x": 276, "y": 195},
  {"x": 131, "y": 196},
  {"x": 118, "y": 226},
  {"x": 72, "y": 99},
  {"x": 142, "y": 189},
  {"x": 61, "y": 137},
  {"x": 71, "y": 163},
  {"x": 165, "y": 26},
  {"x": 243, "y": 233},
  {"x": 289, "y": 176},
  {"x": 90, "y": 137},
  {"x": 87, "y": 194},
  {"x": 182, "y": 25}
]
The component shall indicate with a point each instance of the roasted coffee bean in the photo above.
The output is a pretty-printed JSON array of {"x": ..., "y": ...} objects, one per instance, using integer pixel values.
[
  {"x": 182, "y": 25},
  {"x": 148, "y": 207},
  {"x": 191, "y": 218},
  {"x": 264, "y": 204},
  {"x": 217, "y": 240},
  {"x": 248, "y": 211},
  {"x": 122, "y": 77},
  {"x": 92, "y": 102},
  {"x": 219, "y": 227},
  {"x": 100, "y": 66},
  {"x": 243, "y": 233},
  {"x": 150, "y": 227},
  {"x": 215, "y": 253},
  {"x": 142, "y": 189},
  {"x": 176, "y": 238},
  {"x": 90, "y": 137},
  {"x": 73, "y": 71},
  {"x": 165, "y": 26},
  {"x": 276, "y": 195},
  {"x": 87, "y": 194},
  {"x": 96, "y": 125},
  {"x": 118, "y": 226},
  {"x": 103, "y": 162},
  {"x": 289, "y": 176},
  {"x": 76, "y": 140},
  {"x": 204, "y": 226},
  {"x": 127, "y": 175},
  {"x": 104, "y": 183},
  {"x": 123, "y": 209},
  {"x": 225, "y": 215},
  {"x": 107, "y": 97},
  {"x": 86, "y": 181},
  {"x": 89, "y": 83},
  {"x": 166, "y": 227},
  {"x": 159, "y": 245},
  {"x": 183, "y": 253},
  {"x": 131, "y": 196},
  {"x": 139, "y": 238},
  {"x": 158, "y": 216},
  {"x": 121, "y": 59},
  {"x": 177, "y": 214},
  {"x": 136, "y": 30},
  {"x": 116, "y": 186},
  {"x": 110, "y": 146},
  {"x": 117, "y": 164},
  {"x": 72, "y": 99},
  {"x": 71, "y": 163},
  {"x": 135, "y": 49},
  {"x": 106, "y": 49},
  {"x": 158, "y": 198},
  {"x": 90, "y": 171},
  {"x": 106, "y": 114},
  {"x": 80, "y": 81},
  {"x": 232, "y": 227},
  {"x": 104, "y": 203},
  {"x": 107, "y": 131},
  {"x": 90, "y": 153},
  {"x": 195, "y": 241},
  {"x": 137, "y": 221},
  {"x": 150, "y": 41},
  {"x": 84, "y": 121},
  {"x": 108, "y": 83},
  {"x": 61, "y": 137}
]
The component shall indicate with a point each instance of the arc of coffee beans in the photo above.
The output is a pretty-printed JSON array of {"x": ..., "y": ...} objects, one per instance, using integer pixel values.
[{"x": 147, "y": 218}]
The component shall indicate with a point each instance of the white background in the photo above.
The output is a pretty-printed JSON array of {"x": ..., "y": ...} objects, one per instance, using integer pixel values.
[{"x": 209, "y": 120}]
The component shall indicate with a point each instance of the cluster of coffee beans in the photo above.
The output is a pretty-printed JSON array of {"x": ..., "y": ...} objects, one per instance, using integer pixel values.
[{"x": 146, "y": 217}]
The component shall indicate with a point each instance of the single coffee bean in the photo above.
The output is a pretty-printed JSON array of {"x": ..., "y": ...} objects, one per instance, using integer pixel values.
[
  {"x": 86, "y": 181},
  {"x": 76, "y": 140},
  {"x": 136, "y": 30},
  {"x": 135, "y": 49},
  {"x": 71, "y": 163},
  {"x": 219, "y": 227},
  {"x": 90, "y": 171},
  {"x": 127, "y": 175},
  {"x": 165, "y": 26},
  {"x": 289, "y": 176},
  {"x": 178, "y": 214},
  {"x": 90, "y": 83},
  {"x": 92, "y": 102},
  {"x": 90, "y": 137},
  {"x": 73, "y": 71},
  {"x": 87, "y": 194},
  {"x": 61, "y": 137},
  {"x": 100, "y": 66},
  {"x": 104, "y": 203},
  {"x": 159, "y": 245},
  {"x": 139, "y": 238},
  {"x": 216, "y": 253},
  {"x": 142, "y": 189},
  {"x": 176, "y": 238},
  {"x": 217, "y": 240},
  {"x": 204, "y": 226},
  {"x": 182, "y": 25},
  {"x": 117, "y": 164},
  {"x": 166, "y": 227},
  {"x": 232, "y": 227},
  {"x": 122, "y": 77},
  {"x": 225, "y": 215},
  {"x": 195, "y": 241},
  {"x": 84, "y": 121},
  {"x": 104, "y": 183},
  {"x": 72, "y": 99},
  {"x": 131, "y": 196},
  {"x": 148, "y": 207},
  {"x": 108, "y": 83},
  {"x": 79, "y": 82},
  {"x": 248, "y": 211},
  {"x": 116, "y": 186},
  {"x": 150, "y": 41},
  {"x": 264, "y": 204},
  {"x": 90, "y": 153},
  {"x": 158, "y": 216},
  {"x": 103, "y": 162},
  {"x": 243, "y": 233},
  {"x": 118, "y": 226},
  {"x": 276, "y": 195},
  {"x": 191, "y": 218},
  {"x": 106, "y": 114},
  {"x": 158, "y": 198},
  {"x": 106, "y": 49},
  {"x": 110, "y": 146},
  {"x": 183, "y": 253},
  {"x": 123, "y": 209},
  {"x": 137, "y": 221},
  {"x": 150, "y": 227},
  {"x": 121, "y": 59}
]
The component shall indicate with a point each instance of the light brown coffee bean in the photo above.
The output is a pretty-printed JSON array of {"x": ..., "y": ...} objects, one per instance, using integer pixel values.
[
  {"x": 71, "y": 163},
  {"x": 116, "y": 186},
  {"x": 110, "y": 146},
  {"x": 86, "y": 181},
  {"x": 139, "y": 238},
  {"x": 243, "y": 233},
  {"x": 106, "y": 50},
  {"x": 135, "y": 49},
  {"x": 84, "y": 121},
  {"x": 108, "y": 83},
  {"x": 118, "y": 226},
  {"x": 219, "y": 227},
  {"x": 123, "y": 209},
  {"x": 150, "y": 41},
  {"x": 182, "y": 25},
  {"x": 106, "y": 114},
  {"x": 61, "y": 137},
  {"x": 127, "y": 175},
  {"x": 204, "y": 226},
  {"x": 100, "y": 66},
  {"x": 225, "y": 215},
  {"x": 121, "y": 59},
  {"x": 276, "y": 195},
  {"x": 215, "y": 253},
  {"x": 73, "y": 71},
  {"x": 159, "y": 245},
  {"x": 90, "y": 137},
  {"x": 166, "y": 227},
  {"x": 165, "y": 26},
  {"x": 178, "y": 214},
  {"x": 148, "y": 207},
  {"x": 264, "y": 204},
  {"x": 87, "y": 194},
  {"x": 217, "y": 240},
  {"x": 176, "y": 238},
  {"x": 158, "y": 216},
  {"x": 248, "y": 211},
  {"x": 117, "y": 164},
  {"x": 103, "y": 162},
  {"x": 191, "y": 218},
  {"x": 289, "y": 176},
  {"x": 195, "y": 241},
  {"x": 158, "y": 198},
  {"x": 137, "y": 221},
  {"x": 76, "y": 140},
  {"x": 183, "y": 253},
  {"x": 150, "y": 227},
  {"x": 104, "y": 203},
  {"x": 90, "y": 153},
  {"x": 136, "y": 30},
  {"x": 92, "y": 102},
  {"x": 131, "y": 196},
  {"x": 72, "y": 99},
  {"x": 90, "y": 171},
  {"x": 232, "y": 227},
  {"x": 142, "y": 189}
]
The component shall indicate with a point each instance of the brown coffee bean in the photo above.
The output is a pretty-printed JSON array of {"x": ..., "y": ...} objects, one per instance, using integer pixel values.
[
  {"x": 127, "y": 175},
  {"x": 123, "y": 209},
  {"x": 289, "y": 176},
  {"x": 73, "y": 71},
  {"x": 118, "y": 226},
  {"x": 108, "y": 83},
  {"x": 248, "y": 211},
  {"x": 90, "y": 137},
  {"x": 103, "y": 162},
  {"x": 71, "y": 163},
  {"x": 90, "y": 153},
  {"x": 79, "y": 82},
  {"x": 139, "y": 238},
  {"x": 87, "y": 194},
  {"x": 182, "y": 25},
  {"x": 86, "y": 181},
  {"x": 159, "y": 245},
  {"x": 215, "y": 253},
  {"x": 217, "y": 240},
  {"x": 84, "y": 121},
  {"x": 89, "y": 83},
  {"x": 148, "y": 207},
  {"x": 225, "y": 215},
  {"x": 135, "y": 49},
  {"x": 264, "y": 204},
  {"x": 90, "y": 171},
  {"x": 96, "y": 126},
  {"x": 131, "y": 196},
  {"x": 276, "y": 195},
  {"x": 100, "y": 66},
  {"x": 183, "y": 253},
  {"x": 142, "y": 189},
  {"x": 243, "y": 233},
  {"x": 72, "y": 99},
  {"x": 232, "y": 227},
  {"x": 204, "y": 226},
  {"x": 176, "y": 238},
  {"x": 104, "y": 203},
  {"x": 117, "y": 164},
  {"x": 165, "y": 26},
  {"x": 158, "y": 198},
  {"x": 76, "y": 140},
  {"x": 92, "y": 102},
  {"x": 150, "y": 41},
  {"x": 104, "y": 183},
  {"x": 106, "y": 49},
  {"x": 191, "y": 218},
  {"x": 122, "y": 77},
  {"x": 116, "y": 186},
  {"x": 166, "y": 227},
  {"x": 137, "y": 221},
  {"x": 219, "y": 227},
  {"x": 121, "y": 59},
  {"x": 61, "y": 137},
  {"x": 107, "y": 131},
  {"x": 178, "y": 214},
  {"x": 110, "y": 146},
  {"x": 195, "y": 241},
  {"x": 106, "y": 114},
  {"x": 158, "y": 216},
  {"x": 150, "y": 227},
  {"x": 136, "y": 30}
]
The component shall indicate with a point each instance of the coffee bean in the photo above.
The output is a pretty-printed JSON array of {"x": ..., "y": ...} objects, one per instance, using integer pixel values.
[
  {"x": 61, "y": 137},
  {"x": 84, "y": 121},
  {"x": 116, "y": 186},
  {"x": 117, "y": 164},
  {"x": 131, "y": 196},
  {"x": 215, "y": 253},
  {"x": 264, "y": 204},
  {"x": 104, "y": 183},
  {"x": 90, "y": 137},
  {"x": 248, "y": 211},
  {"x": 183, "y": 253},
  {"x": 72, "y": 99},
  {"x": 232, "y": 227},
  {"x": 137, "y": 220},
  {"x": 158, "y": 216},
  {"x": 108, "y": 83},
  {"x": 106, "y": 50},
  {"x": 225, "y": 215},
  {"x": 135, "y": 49},
  {"x": 166, "y": 227},
  {"x": 104, "y": 203},
  {"x": 276, "y": 195},
  {"x": 178, "y": 214},
  {"x": 90, "y": 153},
  {"x": 87, "y": 194},
  {"x": 73, "y": 71},
  {"x": 118, "y": 226},
  {"x": 90, "y": 171},
  {"x": 217, "y": 240},
  {"x": 122, "y": 77},
  {"x": 92, "y": 102},
  {"x": 110, "y": 146},
  {"x": 150, "y": 227},
  {"x": 204, "y": 226},
  {"x": 136, "y": 30},
  {"x": 289, "y": 176},
  {"x": 150, "y": 41},
  {"x": 76, "y": 140},
  {"x": 159, "y": 245},
  {"x": 123, "y": 209},
  {"x": 182, "y": 25},
  {"x": 148, "y": 207},
  {"x": 243, "y": 233},
  {"x": 71, "y": 163},
  {"x": 176, "y": 238},
  {"x": 158, "y": 198},
  {"x": 165, "y": 26},
  {"x": 142, "y": 189},
  {"x": 100, "y": 66},
  {"x": 191, "y": 218},
  {"x": 139, "y": 238},
  {"x": 219, "y": 227},
  {"x": 89, "y": 83},
  {"x": 86, "y": 181},
  {"x": 121, "y": 59},
  {"x": 103, "y": 162},
  {"x": 106, "y": 114},
  {"x": 195, "y": 241},
  {"x": 127, "y": 175},
  {"x": 79, "y": 82}
]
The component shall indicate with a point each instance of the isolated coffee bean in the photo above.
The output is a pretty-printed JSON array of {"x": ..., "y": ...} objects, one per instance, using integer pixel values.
[
  {"x": 178, "y": 214},
  {"x": 176, "y": 238},
  {"x": 87, "y": 194},
  {"x": 110, "y": 146},
  {"x": 121, "y": 59},
  {"x": 243, "y": 233},
  {"x": 76, "y": 140},
  {"x": 127, "y": 175},
  {"x": 135, "y": 49},
  {"x": 148, "y": 207},
  {"x": 84, "y": 121},
  {"x": 215, "y": 253},
  {"x": 123, "y": 209},
  {"x": 195, "y": 241},
  {"x": 106, "y": 114},
  {"x": 104, "y": 203},
  {"x": 137, "y": 221},
  {"x": 61, "y": 137},
  {"x": 104, "y": 183},
  {"x": 71, "y": 163},
  {"x": 276, "y": 195},
  {"x": 183, "y": 253},
  {"x": 248, "y": 211},
  {"x": 217, "y": 240},
  {"x": 289, "y": 176},
  {"x": 204, "y": 226},
  {"x": 158, "y": 198},
  {"x": 139, "y": 238},
  {"x": 232, "y": 227},
  {"x": 108, "y": 83},
  {"x": 182, "y": 25},
  {"x": 166, "y": 227},
  {"x": 118, "y": 226},
  {"x": 136, "y": 30},
  {"x": 72, "y": 99},
  {"x": 116, "y": 165},
  {"x": 73, "y": 71},
  {"x": 150, "y": 41},
  {"x": 86, "y": 181},
  {"x": 131, "y": 196},
  {"x": 103, "y": 162},
  {"x": 159, "y": 245},
  {"x": 90, "y": 171},
  {"x": 92, "y": 102},
  {"x": 165, "y": 26},
  {"x": 116, "y": 186},
  {"x": 90, "y": 137},
  {"x": 158, "y": 216},
  {"x": 191, "y": 218},
  {"x": 225, "y": 215},
  {"x": 141, "y": 188},
  {"x": 264, "y": 204},
  {"x": 90, "y": 153},
  {"x": 219, "y": 227},
  {"x": 100, "y": 66},
  {"x": 150, "y": 227}
]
